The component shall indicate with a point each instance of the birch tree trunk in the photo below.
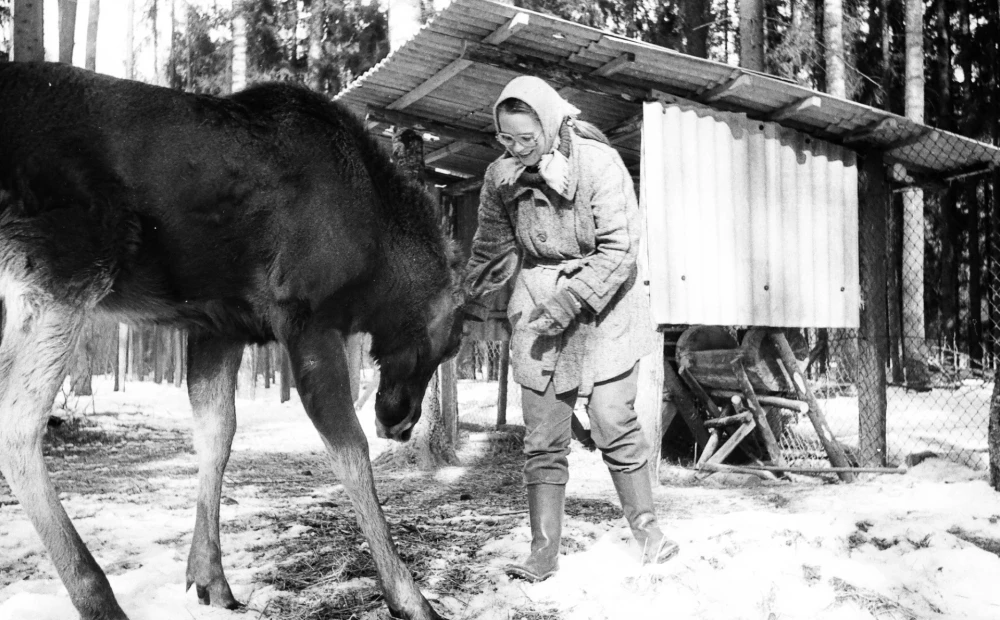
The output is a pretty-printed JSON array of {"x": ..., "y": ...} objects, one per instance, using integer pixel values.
[
  {"x": 914, "y": 334},
  {"x": 67, "y": 30},
  {"x": 752, "y": 34},
  {"x": 28, "y": 33}
]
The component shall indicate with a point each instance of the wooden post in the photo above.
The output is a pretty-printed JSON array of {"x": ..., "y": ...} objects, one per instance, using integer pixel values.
[
  {"x": 873, "y": 207},
  {"x": 833, "y": 449},
  {"x": 502, "y": 382},
  {"x": 649, "y": 403},
  {"x": 773, "y": 449}
]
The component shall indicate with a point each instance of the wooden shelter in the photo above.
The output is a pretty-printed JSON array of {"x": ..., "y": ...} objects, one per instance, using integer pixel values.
[{"x": 755, "y": 188}]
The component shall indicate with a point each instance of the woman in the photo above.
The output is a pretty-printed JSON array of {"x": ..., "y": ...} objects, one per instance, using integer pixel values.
[{"x": 562, "y": 198}]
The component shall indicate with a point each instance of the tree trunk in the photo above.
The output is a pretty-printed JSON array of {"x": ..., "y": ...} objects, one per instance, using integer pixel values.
[
  {"x": 122, "y": 369},
  {"x": 975, "y": 320},
  {"x": 649, "y": 405},
  {"x": 697, "y": 15},
  {"x": 179, "y": 358},
  {"x": 286, "y": 375},
  {"x": 81, "y": 376},
  {"x": 914, "y": 344},
  {"x": 28, "y": 43},
  {"x": 130, "y": 39},
  {"x": 92, "y": 19},
  {"x": 67, "y": 30},
  {"x": 752, "y": 34},
  {"x": 317, "y": 32},
  {"x": 833, "y": 44},
  {"x": 894, "y": 264},
  {"x": 239, "y": 51}
]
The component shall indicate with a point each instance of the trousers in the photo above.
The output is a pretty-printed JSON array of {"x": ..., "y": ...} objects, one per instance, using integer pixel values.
[{"x": 614, "y": 428}]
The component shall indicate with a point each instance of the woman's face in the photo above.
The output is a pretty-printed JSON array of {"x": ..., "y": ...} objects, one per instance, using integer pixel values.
[{"x": 527, "y": 135}]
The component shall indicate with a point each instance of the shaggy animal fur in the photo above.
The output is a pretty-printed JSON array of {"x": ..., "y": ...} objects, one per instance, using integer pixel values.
[{"x": 270, "y": 214}]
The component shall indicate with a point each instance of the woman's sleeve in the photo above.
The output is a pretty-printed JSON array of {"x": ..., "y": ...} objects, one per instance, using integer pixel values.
[
  {"x": 495, "y": 233},
  {"x": 617, "y": 228}
]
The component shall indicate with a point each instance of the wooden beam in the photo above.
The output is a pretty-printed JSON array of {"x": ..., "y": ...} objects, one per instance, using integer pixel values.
[
  {"x": 513, "y": 25},
  {"x": 741, "y": 81},
  {"x": 557, "y": 74},
  {"x": 911, "y": 140},
  {"x": 431, "y": 84},
  {"x": 462, "y": 187},
  {"x": 806, "y": 103},
  {"x": 445, "y": 151},
  {"x": 863, "y": 133},
  {"x": 615, "y": 65},
  {"x": 443, "y": 129}
]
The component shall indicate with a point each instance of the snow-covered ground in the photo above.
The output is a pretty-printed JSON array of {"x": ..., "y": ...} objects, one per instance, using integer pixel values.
[{"x": 894, "y": 546}]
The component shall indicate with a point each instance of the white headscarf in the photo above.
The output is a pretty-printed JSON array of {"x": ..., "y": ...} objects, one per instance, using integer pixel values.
[{"x": 551, "y": 110}]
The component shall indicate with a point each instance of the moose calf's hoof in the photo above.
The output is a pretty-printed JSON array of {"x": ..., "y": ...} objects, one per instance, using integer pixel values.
[{"x": 216, "y": 594}]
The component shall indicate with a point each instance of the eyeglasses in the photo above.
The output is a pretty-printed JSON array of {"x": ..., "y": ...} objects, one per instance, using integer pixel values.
[{"x": 526, "y": 141}]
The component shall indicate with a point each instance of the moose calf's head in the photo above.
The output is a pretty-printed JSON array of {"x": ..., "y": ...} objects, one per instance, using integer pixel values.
[{"x": 406, "y": 370}]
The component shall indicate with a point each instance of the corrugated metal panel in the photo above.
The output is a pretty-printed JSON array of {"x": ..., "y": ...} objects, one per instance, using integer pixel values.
[
  {"x": 579, "y": 50},
  {"x": 748, "y": 223}
]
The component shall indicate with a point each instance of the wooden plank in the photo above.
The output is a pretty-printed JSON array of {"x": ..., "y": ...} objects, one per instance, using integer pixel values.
[
  {"x": 793, "y": 109},
  {"x": 512, "y": 27},
  {"x": 442, "y": 129},
  {"x": 445, "y": 151},
  {"x": 451, "y": 70},
  {"x": 615, "y": 65}
]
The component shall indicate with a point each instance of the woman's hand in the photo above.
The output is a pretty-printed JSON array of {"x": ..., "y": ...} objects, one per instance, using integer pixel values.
[{"x": 554, "y": 315}]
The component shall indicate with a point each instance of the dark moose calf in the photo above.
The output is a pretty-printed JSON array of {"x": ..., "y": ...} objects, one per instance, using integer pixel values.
[{"x": 267, "y": 215}]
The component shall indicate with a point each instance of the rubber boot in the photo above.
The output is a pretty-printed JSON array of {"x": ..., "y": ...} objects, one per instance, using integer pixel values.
[
  {"x": 636, "y": 495},
  {"x": 545, "y": 511}
]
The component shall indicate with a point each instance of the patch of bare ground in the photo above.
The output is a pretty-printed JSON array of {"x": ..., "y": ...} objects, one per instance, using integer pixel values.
[{"x": 440, "y": 529}]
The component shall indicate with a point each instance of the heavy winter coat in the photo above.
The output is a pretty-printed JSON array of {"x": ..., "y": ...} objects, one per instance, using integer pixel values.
[{"x": 588, "y": 243}]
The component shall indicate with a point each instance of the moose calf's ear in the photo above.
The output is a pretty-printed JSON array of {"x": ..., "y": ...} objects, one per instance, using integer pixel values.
[{"x": 494, "y": 274}]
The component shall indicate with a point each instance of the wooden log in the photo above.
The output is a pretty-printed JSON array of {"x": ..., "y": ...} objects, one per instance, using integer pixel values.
[
  {"x": 676, "y": 392},
  {"x": 814, "y": 470},
  {"x": 735, "y": 469},
  {"x": 833, "y": 448},
  {"x": 775, "y": 401},
  {"x": 713, "y": 443},
  {"x": 740, "y": 418},
  {"x": 733, "y": 441},
  {"x": 699, "y": 391},
  {"x": 761, "y": 416}
]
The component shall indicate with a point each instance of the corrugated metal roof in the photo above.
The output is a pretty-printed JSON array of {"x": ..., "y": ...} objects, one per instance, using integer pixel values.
[{"x": 452, "y": 70}]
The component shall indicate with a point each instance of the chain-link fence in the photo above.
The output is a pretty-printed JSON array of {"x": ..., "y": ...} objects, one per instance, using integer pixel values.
[{"x": 933, "y": 336}]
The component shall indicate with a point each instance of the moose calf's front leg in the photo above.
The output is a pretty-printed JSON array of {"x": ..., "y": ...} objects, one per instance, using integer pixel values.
[
  {"x": 34, "y": 348},
  {"x": 320, "y": 366},
  {"x": 212, "y": 367}
]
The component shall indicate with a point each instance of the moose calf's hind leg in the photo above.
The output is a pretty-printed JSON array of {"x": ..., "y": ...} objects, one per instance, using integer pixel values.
[
  {"x": 212, "y": 367},
  {"x": 34, "y": 351}
]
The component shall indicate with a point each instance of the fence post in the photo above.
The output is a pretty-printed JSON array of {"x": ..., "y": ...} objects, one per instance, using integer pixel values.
[{"x": 873, "y": 203}]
